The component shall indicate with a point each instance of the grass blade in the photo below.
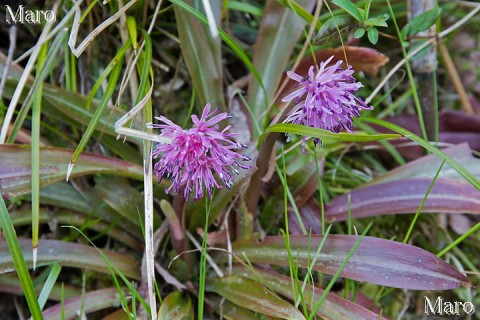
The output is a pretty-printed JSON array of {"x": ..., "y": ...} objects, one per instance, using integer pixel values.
[
  {"x": 49, "y": 284},
  {"x": 327, "y": 135},
  {"x": 19, "y": 261},
  {"x": 36, "y": 121},
  {"x": 117, "y": 68}
]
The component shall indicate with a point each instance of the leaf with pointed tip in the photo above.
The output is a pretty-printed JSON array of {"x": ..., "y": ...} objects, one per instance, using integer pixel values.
[
  {"x": 15, "y": 171},
  {"x": 333, "y": 307},
  {"x": 254, "y": 296},
  {"x": 405, "y": 196},
  {"x": 176, "y": 305},
  {"x": 327, "y": 135},
  {"x": 379, "y": 261},
  {"x": 70, "y": 255}
]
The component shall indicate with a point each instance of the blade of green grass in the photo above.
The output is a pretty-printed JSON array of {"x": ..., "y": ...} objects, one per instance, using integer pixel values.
[
  {"x": 417, "y": 214},
  {"x": 49, "y": 284},
  {"x": 416, "y": 99},
  {"x": 324, "y": 134},
  {"x": 36, "y": 121},
  {"x": 450, "y": 161},
  {"x": 115, "y": 67},
  {"x": 19, "y": 262}
]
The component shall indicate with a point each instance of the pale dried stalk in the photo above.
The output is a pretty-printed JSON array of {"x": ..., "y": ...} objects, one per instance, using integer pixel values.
[{"x": 91, "y": 36}]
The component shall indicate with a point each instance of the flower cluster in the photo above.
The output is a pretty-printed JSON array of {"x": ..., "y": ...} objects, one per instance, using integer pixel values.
[
  {"x": 193, "y": 157},
  {"x": 325, "y": 100}
]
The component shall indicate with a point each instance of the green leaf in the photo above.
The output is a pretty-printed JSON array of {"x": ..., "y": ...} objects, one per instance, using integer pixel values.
[
  {"x": 373, "y": 35},
  {"x": 324, "y": 134},
  {"x": 176, "y": 305},
  {"x": 13, "y": 252},
  {"x": 132, "y": 30},
  {"x": 254, "y": 296},
  {"x": 359, "y": 33},
  {"x": 422, "y": 22},
  {"x": 378, "y": 22},
  {"x": 350, "y": 8}
]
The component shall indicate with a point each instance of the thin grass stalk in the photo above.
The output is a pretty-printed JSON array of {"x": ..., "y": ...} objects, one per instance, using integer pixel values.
[
  {"x": 203, "y": 262},
  {"x": 49, "y": 284},
  {"x": 36, "y": 121},
  {"x": 286, "y": 236},
  {"x": 459, "y": 240},
  {"x": 419, "y": 210}
]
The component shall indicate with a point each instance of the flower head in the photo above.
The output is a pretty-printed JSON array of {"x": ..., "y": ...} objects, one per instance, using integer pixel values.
[
  {"x": 197, "y": 154},
  {"x": 326, "y": 100}
]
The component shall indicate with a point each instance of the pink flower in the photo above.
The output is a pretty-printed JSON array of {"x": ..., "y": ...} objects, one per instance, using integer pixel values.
[
  {"x": 197, "y": 155},
  {"x": 326, "y": 100}
]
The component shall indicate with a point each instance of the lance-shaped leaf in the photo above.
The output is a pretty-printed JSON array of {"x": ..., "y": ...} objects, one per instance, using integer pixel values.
[
  {"x": 90, "y": 302},
  {"x": 254, "y": 296},
  {"x": 333, "y": 307},
  {"x": 15, "y": 171},
  {"x": 327, "y": 135},
  {"x": 405, "y": 196},
  {"x": 379, "y": 261},
  {"x": 176, "y": 305},
  {"x": 70, "y": 255}
]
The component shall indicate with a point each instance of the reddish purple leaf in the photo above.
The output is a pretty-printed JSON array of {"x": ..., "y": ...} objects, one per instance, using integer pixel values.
[
  {"x": 90, "y": 302},
  {"x": 15, "y": 171},
  {"x": 405, "y": 196},
  {"x": 70, "y": 255},
  {"x": 379, "y": 261}
]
